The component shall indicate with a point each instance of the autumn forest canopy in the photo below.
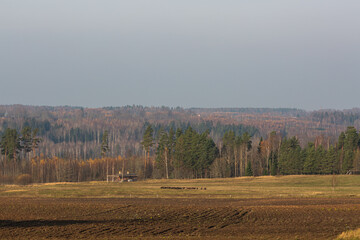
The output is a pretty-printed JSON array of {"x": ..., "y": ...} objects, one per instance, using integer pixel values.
[{"x": 48, "y": 144}]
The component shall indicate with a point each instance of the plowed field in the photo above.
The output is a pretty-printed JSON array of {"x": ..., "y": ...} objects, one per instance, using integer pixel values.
[{"x": 303, "y": 218}]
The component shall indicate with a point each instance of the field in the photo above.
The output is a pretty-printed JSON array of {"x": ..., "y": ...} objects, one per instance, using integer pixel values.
[{"x": 289, "y": 207}]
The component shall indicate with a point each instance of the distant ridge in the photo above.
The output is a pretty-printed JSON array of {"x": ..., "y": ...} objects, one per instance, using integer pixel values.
[{"x": 281, "y": 111}]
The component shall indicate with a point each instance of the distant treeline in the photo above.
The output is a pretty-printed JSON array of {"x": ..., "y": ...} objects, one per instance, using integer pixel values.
[
  {"x": 239, "y": 156},
  {"x": 87, "y": 139},
  {"x": 274, "y": 111},
  {"x": 75, "y": 134},
  {"x": 215, "y": 130},
  {"x": 336, "y": 117},
  {"x": 179, "y": 153}
]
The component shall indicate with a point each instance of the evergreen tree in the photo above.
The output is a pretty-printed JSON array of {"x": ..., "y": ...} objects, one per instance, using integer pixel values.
[
  {"x": 35, "y": 140},
  {"x": 162, "y": 153},
  {"x": 147, "y": 142},
  {"x": 245, "y": 147},
  {"x": 290, "y": 157},
  {"x": 194, "y": 153},
  {"x": 350, "y": 145},
  {"x": 179, "y": 155},
  {"x": 259, "y": 145},
  {"x": 340, "y": 145},
  {"x": 228, "y": 149},
  {"x": 321, "y": 160},
  {"x": 105, "y": 144},
  {"x": 246, "y": 140},
  {"x": 10, "y": 144},
  {"x": 273, "y": 163},
  {"x": 209, "y": 152},
  {"x": 104, "y": 150},
  {"x": 26, "y": 139},
  {"x": 249, "y": 171},
  {"x": 310, "y": 163},
  {"x": 341, "y": 140},
  {"x": 331, "y": 163},
  {"x": 179, "y": 132}
]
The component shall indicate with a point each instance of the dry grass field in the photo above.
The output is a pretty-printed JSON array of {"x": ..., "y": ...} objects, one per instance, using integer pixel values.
[
  {"x": 288, "y": 207},
  {"x": 246, "y": 187}
]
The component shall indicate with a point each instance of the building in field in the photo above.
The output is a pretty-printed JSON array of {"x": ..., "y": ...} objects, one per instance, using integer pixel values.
[{"x": 127, "y": 177}]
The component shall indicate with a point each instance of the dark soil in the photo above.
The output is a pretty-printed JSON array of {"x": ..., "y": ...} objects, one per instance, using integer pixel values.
[{"x": 31, "y": 218}]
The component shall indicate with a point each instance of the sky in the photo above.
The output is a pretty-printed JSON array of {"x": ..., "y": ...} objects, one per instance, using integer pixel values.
[{"x": 189, "y": 53}]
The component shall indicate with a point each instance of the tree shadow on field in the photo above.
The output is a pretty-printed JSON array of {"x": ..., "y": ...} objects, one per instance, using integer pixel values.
[{"x": 41, "y": 223}]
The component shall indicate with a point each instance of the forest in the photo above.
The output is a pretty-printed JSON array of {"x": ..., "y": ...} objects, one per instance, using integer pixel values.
[{"x": 49, "y": 144}]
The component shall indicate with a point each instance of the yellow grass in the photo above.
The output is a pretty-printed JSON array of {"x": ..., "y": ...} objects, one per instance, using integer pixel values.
[
  {"x": 245, "y": 187},
  {"x": 350, "y": 235},
  {"x": 17, "y": 190}
]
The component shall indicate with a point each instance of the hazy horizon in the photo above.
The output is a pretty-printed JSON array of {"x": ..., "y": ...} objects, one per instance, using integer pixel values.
[
  {"x": 185, "y": 108},
  {"x": 207, "y": 54}
]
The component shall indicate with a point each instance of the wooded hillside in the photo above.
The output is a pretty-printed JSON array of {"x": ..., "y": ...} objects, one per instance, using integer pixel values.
[{"x": 71, "y": 137}]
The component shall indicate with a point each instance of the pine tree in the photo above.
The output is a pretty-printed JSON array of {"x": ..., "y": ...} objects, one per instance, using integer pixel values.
[
  {"x": 274, "y": 163},
  {"x": 310, "y": 159},
  {"x": 26, "y": 140},
  {"x": 350, "y": 145},
  {"x": 249, "y": 171},
  {"x": 331, "y": 163},
  {"x": 162, "y": 152},
  {"x": 193, "y": 154},
  {"x": 290, "y": 157},
  {"x": 246, "y": 144},
  {"x": 105, "y": 144},
  {"x": 209, "y": 152},
  {"x": 228, "y": 149},
  {"x": 104, "y": 150},
  {"x": 10, "y": 147},
  {"x": 35, "y": 140},
  {"x": 179, "y": 155},
  {"x": 341, "y": 140},
  {"x": 10, "y": 143},
  {"x": 147, "y": 143}
]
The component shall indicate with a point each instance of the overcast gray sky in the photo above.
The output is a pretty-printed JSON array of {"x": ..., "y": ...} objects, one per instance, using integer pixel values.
[{"x": 188, "y": 53}]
